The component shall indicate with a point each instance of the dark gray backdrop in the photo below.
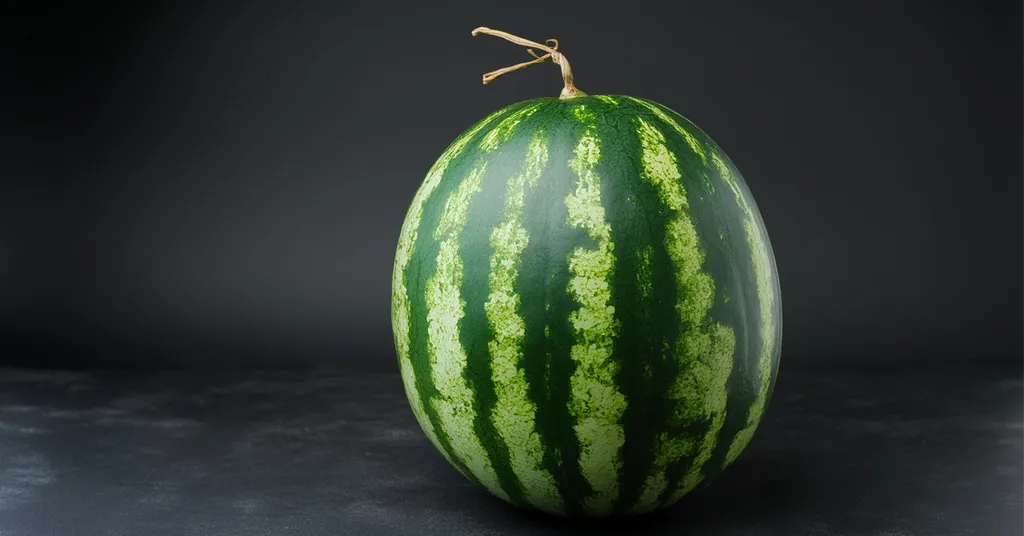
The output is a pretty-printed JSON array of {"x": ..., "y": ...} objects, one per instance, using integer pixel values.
[{"x": 215, "y": 183}]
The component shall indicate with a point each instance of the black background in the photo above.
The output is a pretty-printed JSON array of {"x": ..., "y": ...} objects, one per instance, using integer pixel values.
[{"x": 217, "y": 183}]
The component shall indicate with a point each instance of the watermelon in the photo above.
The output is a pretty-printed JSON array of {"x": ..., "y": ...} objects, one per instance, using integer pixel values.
[{"x": 586, "y": 306}]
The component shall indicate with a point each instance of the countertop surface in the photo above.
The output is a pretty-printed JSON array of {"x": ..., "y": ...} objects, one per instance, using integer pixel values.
[{"x": 918, "y": 450}]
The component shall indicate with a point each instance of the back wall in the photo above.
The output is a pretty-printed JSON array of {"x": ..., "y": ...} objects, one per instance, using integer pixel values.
[{"x": 224, "y": 183}]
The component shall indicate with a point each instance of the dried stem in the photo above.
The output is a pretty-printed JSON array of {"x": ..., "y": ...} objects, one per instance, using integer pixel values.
[{"x": 550, "y": 46}]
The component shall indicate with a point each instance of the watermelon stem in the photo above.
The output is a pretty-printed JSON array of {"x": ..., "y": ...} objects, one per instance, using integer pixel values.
[{"x": 550, "y": 46}]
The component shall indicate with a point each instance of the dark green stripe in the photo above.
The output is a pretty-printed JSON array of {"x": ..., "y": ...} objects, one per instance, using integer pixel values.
[
  {"x": 421, "y": 268},
  {"x": 647, "y": 322},
  {"x": 545, "y": 304},
  {"x": 728, "y": 257},
  {"x": 745, "y": 381},
  {"x": 476, "y": 250}
]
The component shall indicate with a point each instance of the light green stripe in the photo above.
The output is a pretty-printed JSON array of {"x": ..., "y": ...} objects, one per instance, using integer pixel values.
[
  {"x": 595, "y": 401},
  {"x": 766, "y": 300},
  {"x": 504, "y": 129},
  {"x": 514, "y": 414},
  {"x": 644, "y": 282},
  {"x": 607, "y": 99},
  {"x": 695, "y": 145},
  {"x": 704, "y": 353},
  {"x": 714, "y": 371},
  {"x": 400, "y": 311},
  {"x": 454, "y": 402}
]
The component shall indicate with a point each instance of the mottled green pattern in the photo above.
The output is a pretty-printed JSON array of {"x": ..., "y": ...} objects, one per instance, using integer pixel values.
[
  {"x": 593, "y": 325},
  {"x": 766, "y": 305},
  {"x": 704, "y": 351},
  {"x": 691, "y": 140},
  {"x": 708, "y": 378},
  {"x": 455, "y": 401},
  {"x": 504, "y": 129},
  {"x": 399, "y": 296},
  {"x": 595, "y": 402},
  {"x": 514, "y": 414},
  {"x": 644, "y": 285}
]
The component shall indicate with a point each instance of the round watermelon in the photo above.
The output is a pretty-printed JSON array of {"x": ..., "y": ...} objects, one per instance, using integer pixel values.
[{"x": 586, "y": 306}]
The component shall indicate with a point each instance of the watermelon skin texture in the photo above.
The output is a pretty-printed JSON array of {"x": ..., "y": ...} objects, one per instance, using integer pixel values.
[{"x": 586, "y": 306}]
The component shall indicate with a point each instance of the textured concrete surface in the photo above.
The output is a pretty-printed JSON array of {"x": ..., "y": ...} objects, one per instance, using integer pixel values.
[{"x": 914, "y": 451}]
